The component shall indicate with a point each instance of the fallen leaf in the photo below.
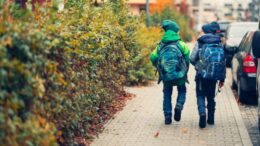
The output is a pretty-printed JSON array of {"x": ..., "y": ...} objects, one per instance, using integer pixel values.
[
  {"x": 202, "y": 142},
  {"x": 184, "y": 130},
  {"x": 156, "y": 134}
]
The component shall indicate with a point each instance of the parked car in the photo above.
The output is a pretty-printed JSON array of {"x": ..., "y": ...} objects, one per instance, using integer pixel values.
[
  {"x": 234, "y": 34},
  {"x": 223, "y": 27},
  {"x": 243, "y": 67},
  {"x": 256, "y": 53}
]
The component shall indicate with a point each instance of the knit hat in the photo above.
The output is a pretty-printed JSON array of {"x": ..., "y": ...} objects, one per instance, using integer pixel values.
[
  {"x": 170, "y": 25},
  {"x": 212, "y": 27},
  {"x": 215, "y": 26}
]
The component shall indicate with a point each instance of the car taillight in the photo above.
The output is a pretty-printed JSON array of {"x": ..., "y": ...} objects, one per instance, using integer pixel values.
[{"x": 249, "y": 65}]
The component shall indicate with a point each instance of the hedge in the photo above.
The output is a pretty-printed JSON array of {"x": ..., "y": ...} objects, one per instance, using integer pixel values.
[{"x": 61, "y": 70}]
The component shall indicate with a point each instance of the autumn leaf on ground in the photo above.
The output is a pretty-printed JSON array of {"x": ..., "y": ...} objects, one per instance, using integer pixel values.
[
  {"x": 156, "y": 134},
  {"x": 184, "y": 130},
  {"x": 202, "y": 142}
]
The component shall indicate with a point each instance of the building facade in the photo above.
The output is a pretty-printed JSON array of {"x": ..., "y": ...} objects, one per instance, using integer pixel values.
[
  {"x": 205, "y": 11},
  {"x": 236, "y": 10},
  {"x": 137, "y": 6},
  {"x": 254, "y": 8}
]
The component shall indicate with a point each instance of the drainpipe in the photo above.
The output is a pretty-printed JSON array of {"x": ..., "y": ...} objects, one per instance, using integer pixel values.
[
  {"x": 147, "y": 13},
  {"x": 200, "y": 19}
]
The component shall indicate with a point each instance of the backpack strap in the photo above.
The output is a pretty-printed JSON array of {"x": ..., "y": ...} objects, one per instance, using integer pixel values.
[{"x": 163, "y": 45}]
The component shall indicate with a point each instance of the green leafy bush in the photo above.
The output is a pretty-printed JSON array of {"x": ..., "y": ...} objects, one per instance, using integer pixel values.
[
  {"x": 60, "y": 67},
  {"x": 61, "y": 72},
  {"x": 22, "y": 62},
  {"x": 142, "y": 71}
]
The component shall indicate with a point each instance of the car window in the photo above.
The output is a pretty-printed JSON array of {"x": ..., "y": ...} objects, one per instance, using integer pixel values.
[
  {"x": 248, "y": 43},
  {"x": 223, "y": 26},
  {"x": 243, "y": 43},
  {"x": 240, "y": 30},
  {"x": 256, "y": 44}
]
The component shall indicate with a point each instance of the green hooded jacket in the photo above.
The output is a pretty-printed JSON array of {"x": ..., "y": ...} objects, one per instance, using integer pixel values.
[{"x": 171, "y": 36}]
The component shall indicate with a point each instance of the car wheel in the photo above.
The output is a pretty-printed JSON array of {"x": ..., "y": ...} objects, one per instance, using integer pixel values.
[
  {"x": 234, "y": 85},
  {"x": 241, "y": 93},
  {"x": 256, "y": 94},
  {"x": 259, "y": 122}
]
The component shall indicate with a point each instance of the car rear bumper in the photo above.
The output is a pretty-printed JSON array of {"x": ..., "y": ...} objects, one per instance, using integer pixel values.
[{"x": 248, "y": 82}]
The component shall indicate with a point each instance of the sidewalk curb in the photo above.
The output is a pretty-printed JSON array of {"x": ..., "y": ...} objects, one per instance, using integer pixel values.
[{"x": 240, "y": 123}]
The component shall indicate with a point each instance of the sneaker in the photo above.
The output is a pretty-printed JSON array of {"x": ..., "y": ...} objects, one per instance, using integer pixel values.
[
  {"x": 168, "y": 121},
  {"x": 202, "y": 122},
  {"x": 177, "y": 114},
  {"x": 210, "y": 120}
]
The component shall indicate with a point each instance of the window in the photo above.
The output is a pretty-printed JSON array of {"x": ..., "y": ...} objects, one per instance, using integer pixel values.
[
  {"x": 256, "y": 44},
  {"x": 195, "y": 2},
  {"x": 242, "y": 43},
  {"x": 245, "y": 44},
  {"x": 240, "y": 9},
  {"x": 228, "y": 5},
  {"x": 248, "y": 42},
  {"x": 142, "y": 8},
  {"x": 208, "y": 10},
  {"x": 228, "y": 14}
]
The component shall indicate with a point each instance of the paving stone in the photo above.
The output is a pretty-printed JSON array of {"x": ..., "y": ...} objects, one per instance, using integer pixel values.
[{"x": 249, "y": 115}]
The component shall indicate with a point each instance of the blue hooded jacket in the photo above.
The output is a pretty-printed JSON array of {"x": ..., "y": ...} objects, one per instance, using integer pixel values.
[{"x": 209, "y": 38}]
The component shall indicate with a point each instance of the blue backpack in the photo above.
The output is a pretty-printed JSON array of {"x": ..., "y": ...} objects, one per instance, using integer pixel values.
[
  {"x": 171, "y": 62},
  {"x": 213, "y": 65}
]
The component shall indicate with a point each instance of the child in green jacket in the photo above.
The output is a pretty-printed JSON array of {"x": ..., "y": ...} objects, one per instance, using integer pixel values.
[{"x": 171, "y": 35}]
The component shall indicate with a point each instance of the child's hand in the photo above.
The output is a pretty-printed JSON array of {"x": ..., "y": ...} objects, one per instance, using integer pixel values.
[
  {"x": 187, "y": 80},
  {"x": 220, "y": 84}
]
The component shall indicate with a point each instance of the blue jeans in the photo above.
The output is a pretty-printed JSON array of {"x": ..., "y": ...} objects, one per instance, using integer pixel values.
[
  {"x": 206, "y": 89},
  {"x": 167, "y": 98}
]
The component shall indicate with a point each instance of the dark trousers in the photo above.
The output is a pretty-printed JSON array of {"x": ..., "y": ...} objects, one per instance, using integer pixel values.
[
  {"x": 205, "y": 89},
  {"x": 167, "y": 98}
]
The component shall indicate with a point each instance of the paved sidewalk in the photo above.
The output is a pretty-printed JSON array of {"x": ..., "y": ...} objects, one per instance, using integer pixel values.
[
  {"x": 250, "y": 117},
  {"x": 141, "y": 123}
]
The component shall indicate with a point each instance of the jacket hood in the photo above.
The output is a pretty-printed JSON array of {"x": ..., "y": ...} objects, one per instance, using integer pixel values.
[
  {"x": 170, "y": 25},
  {"x": 170, "y": 36},
  {"x": 209, "y": 39}
]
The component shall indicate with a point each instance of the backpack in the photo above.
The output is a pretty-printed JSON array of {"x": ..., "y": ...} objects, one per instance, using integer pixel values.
[
  {"x": 171, "y": 62},
  {"x": 212, "y": 58}
]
